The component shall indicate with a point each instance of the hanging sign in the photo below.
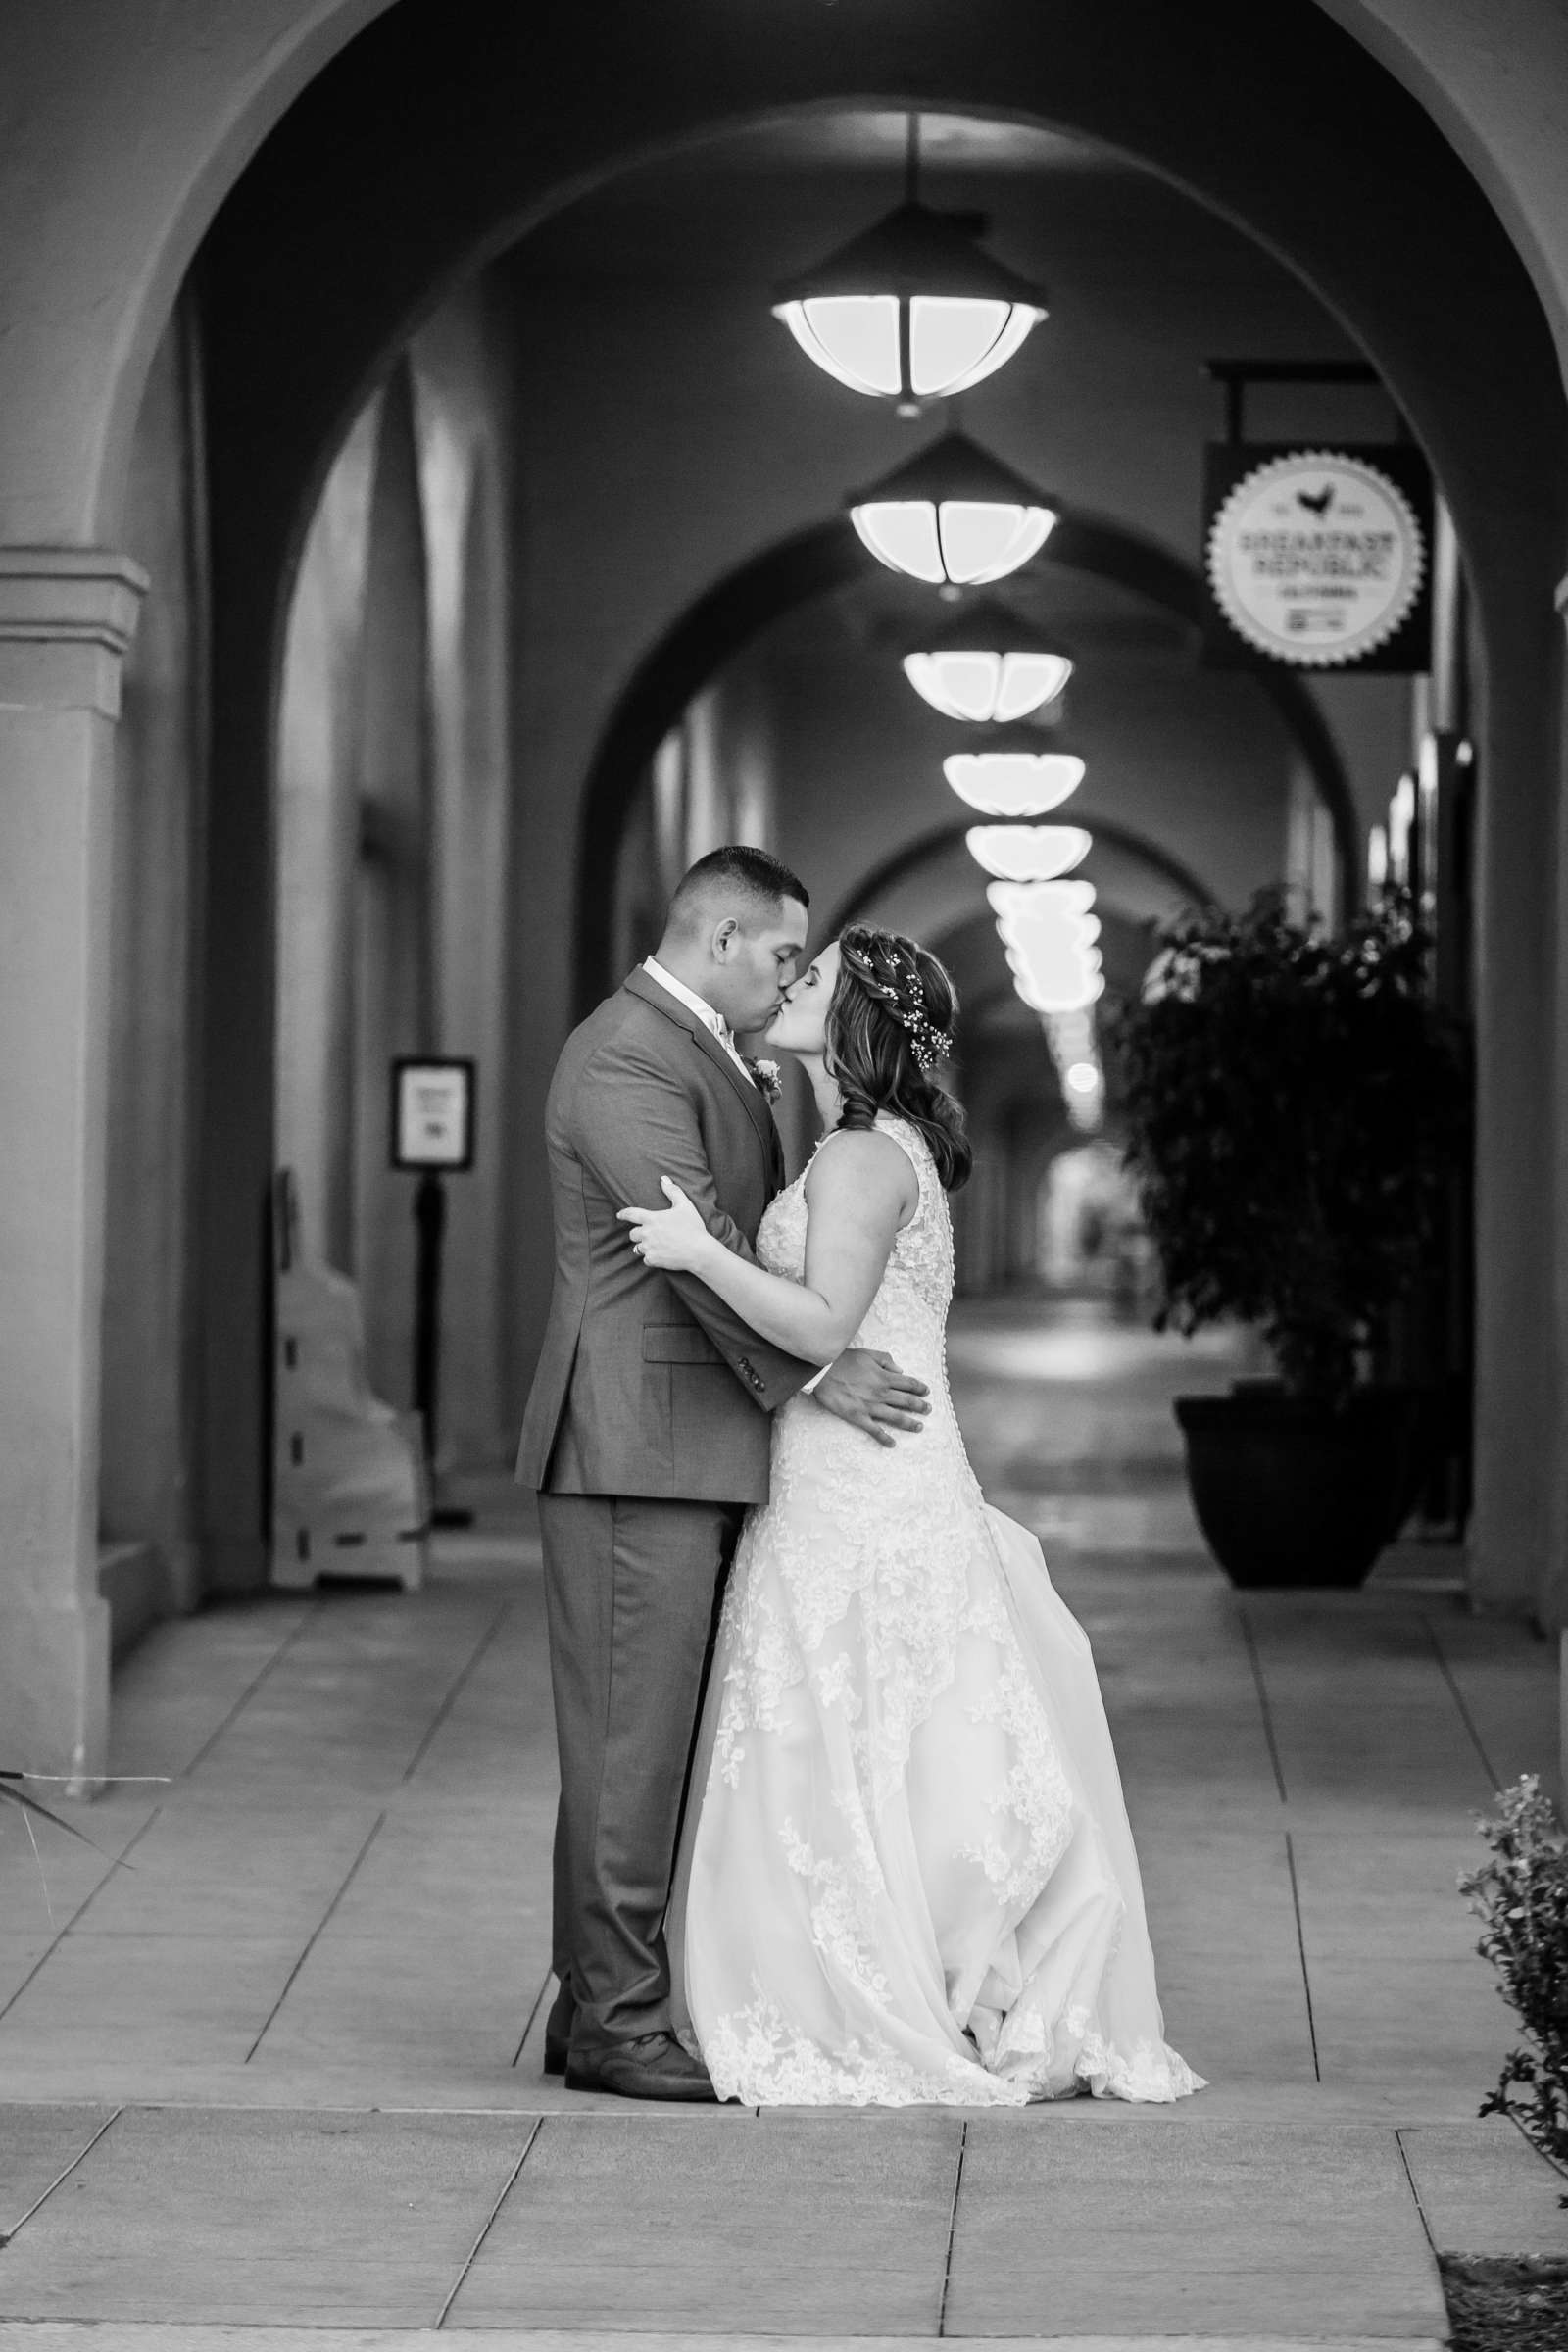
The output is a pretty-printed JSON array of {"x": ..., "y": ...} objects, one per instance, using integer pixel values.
[
  {"x": 432, "y": 1114},
  {"x": 1318, "y": 556}
]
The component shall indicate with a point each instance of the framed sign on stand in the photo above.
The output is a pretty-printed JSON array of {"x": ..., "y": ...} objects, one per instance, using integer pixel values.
[{"x": 433, "y": 1134}]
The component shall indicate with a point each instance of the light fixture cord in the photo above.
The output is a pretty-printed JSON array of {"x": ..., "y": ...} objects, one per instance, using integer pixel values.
[{"x": 911, "y": 160}]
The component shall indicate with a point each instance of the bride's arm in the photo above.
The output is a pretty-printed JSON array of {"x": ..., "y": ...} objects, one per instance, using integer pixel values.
[{"x": 861, "y": 1190}]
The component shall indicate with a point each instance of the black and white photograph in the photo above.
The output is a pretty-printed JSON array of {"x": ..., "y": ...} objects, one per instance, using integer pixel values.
[{"x": 783, "y": 1175}]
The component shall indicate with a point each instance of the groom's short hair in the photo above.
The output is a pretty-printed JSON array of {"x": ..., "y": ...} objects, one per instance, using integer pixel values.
[{"x": 731, "y": 880}]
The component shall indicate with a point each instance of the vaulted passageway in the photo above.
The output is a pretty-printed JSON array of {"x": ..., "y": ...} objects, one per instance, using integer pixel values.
[
  {"x": 657, "y": 446},
  {"x": 614, "y": 563}
]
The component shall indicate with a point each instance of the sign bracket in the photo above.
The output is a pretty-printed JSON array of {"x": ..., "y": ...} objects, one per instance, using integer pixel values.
[{"x": 1236, "y": 376}]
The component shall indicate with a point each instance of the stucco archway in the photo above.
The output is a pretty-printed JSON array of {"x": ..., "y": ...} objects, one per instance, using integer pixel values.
[
  {"x": 344, "y": 228},
  {"x": 95, "y": 276}
]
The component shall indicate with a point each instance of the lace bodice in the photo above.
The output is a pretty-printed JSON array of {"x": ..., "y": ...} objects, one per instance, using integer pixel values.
[
  {"x": 900, "y": 1516},
  {"x": 909, "y": 1315}
]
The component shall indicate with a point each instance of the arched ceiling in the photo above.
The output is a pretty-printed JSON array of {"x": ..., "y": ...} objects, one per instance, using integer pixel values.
[
  {"x": 448, "y": 128},
  {"x": 192, "y": 93}
]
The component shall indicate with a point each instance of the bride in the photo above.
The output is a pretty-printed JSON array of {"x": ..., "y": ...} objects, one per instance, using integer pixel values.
[{"x": 906, "y": 1873}]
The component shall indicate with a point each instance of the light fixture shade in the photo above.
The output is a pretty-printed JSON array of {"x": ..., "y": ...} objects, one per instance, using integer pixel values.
[
  {"x": 914, "y": 309},
  {"x": 988, "y": 666},
  {"x": 987, "y": 686},
  {"x": 1048, "y": 935},
  {"x": 953, "y": 515},
  {"x": 1028, "y": 852},
  {"x": 1009, "y": 773},
  {"x": 963, "y": 542}
]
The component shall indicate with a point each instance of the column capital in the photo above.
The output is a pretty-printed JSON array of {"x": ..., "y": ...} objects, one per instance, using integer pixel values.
[{"x": 68, "y": 615}]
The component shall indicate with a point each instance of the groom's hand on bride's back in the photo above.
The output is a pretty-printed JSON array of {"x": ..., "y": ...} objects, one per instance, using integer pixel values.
[{"x": 866, "y": 1389}]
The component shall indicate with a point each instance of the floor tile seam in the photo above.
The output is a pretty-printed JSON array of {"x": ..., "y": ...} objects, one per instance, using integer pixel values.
[
  {"x": 538, "y": 2004},
  {"x": 1465, "y": 1716},
  {"x": 204, "y": 2111},
  {"x": 117, "y": 1862},
  {"x": 459, "y": 1682},
  {"x": 86, "y": 2150},
  {"x": 490, "y": 2221},
  {"x": 1266, "y": 1705},
  {"x": 153, "y": 2336},
  {"x": 311, "y": 1609},
  {"x": 1301, "y": 1946},
  {"x": 1421, "y": 2211},
  {"x": 288, "y": 1985},
  {"x": 1361, "y": 2127},
  {"x": 953, "y": 2229}
]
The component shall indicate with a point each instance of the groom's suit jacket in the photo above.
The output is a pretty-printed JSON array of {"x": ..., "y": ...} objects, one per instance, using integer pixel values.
[{"x": 647, "y": 1383}]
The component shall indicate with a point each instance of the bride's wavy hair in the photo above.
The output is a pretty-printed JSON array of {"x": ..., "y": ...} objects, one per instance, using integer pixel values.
[{"x": 889, "y": 1023}]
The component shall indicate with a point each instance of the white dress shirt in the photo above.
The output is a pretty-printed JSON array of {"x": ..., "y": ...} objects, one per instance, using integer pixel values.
[{"x": 717, "y": 1026}]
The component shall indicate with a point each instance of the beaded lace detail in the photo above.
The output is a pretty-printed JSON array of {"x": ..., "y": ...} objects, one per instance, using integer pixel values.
[{"x": 901, "y": 1544}]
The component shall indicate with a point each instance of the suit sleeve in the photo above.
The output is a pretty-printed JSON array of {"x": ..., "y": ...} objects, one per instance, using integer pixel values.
[{"x": 633, "y": 1123}]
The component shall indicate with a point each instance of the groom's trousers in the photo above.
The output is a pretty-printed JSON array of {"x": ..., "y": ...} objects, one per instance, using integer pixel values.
[{"x": 631, "y": 1591}]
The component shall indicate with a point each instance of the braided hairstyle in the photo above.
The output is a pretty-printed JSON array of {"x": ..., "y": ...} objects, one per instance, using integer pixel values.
[{"x": 889, "y": 1024}]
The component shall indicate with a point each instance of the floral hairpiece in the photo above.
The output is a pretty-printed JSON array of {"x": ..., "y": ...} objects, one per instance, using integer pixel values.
[{"x": 929, "y": 1044}]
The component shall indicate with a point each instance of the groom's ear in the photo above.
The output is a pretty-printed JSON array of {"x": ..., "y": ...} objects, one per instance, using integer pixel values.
[{"x": 724, "y": 939}]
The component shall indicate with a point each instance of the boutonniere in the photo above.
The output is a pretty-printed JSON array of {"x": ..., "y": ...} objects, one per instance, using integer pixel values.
[{"x": 768, "y": 1077}]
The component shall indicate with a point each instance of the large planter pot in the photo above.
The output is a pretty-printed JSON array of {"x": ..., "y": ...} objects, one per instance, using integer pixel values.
[{"x": 1289, "y": 1491}]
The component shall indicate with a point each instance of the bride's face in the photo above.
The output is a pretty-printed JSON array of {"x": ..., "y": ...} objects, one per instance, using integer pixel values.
[{"x": 800, "y": 1025}]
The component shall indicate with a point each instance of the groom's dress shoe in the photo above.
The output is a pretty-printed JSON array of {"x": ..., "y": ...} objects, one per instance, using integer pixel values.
[
  {"x": 556, "y": 2047},
  {"x": 653, "y": 2067}
]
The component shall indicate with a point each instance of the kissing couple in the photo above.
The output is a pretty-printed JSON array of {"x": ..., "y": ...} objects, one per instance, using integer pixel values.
[{"x": 893, "y": 1863}]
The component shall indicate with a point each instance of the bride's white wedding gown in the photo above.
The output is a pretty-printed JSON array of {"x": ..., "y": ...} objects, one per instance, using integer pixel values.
[{"x": 906, "y": 1873}]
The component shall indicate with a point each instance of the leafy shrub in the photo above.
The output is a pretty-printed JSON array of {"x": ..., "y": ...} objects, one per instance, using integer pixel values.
[
  {"x": 1295, "y": 1103},
  {"x": 1505, "y": 2302},
  {"x": 1521, "y": 1894}
]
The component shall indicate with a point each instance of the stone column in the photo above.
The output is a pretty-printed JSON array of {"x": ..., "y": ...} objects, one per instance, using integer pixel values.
[{"x": 67, "y": 616}]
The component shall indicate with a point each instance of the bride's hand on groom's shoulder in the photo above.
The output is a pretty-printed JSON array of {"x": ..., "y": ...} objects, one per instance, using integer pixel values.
[{"x": 674, "y": 1239}]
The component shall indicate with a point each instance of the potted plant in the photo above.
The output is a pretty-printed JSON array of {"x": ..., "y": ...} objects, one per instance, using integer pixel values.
[{"x": 1296, "y": 1104}]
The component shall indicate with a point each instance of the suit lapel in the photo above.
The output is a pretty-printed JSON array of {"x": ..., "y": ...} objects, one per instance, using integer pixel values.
[{"x": 757, "y": 1108}]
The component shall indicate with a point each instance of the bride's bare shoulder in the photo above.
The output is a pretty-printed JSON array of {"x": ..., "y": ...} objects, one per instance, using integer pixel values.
[{"x": 862, "y": 1159}]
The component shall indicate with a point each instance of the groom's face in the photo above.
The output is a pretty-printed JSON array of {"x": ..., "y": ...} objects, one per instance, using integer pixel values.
[{"x": 755, "y": 962}]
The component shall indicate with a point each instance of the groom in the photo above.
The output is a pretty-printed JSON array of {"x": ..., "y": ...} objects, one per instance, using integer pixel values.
[{"x": 646, "y": 1435}]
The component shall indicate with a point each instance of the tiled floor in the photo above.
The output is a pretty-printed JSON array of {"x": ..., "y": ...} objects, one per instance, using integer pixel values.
[{"x": 281, "y": 2072}]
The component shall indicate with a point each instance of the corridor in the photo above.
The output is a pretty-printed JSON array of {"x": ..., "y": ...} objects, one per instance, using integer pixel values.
[{"x": 282, "y": 2071}]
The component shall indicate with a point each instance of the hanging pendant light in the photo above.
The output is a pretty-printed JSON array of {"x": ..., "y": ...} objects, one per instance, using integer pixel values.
[
  {"x": 988, "y": 665},
  {"x": 1028, "y": 852},
  {"x": 1048, "y": 935},
  {"x": 953, "y": 515},
  {"x": 1014, "y": 771},
  {"x": 914, "y": 309}
]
